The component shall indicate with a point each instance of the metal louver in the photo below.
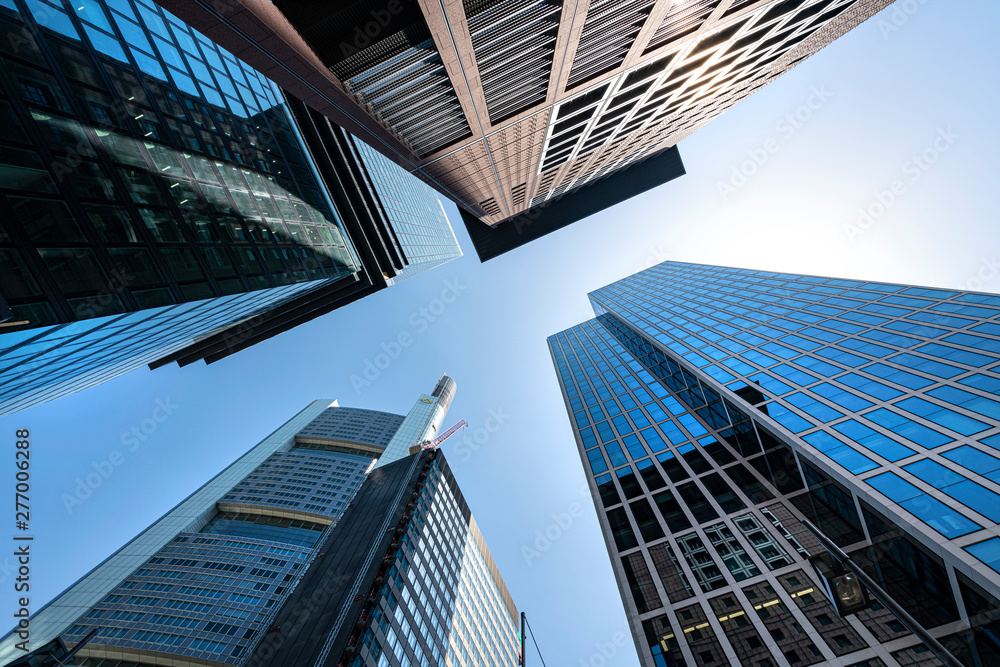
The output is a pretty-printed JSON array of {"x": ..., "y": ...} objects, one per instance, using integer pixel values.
[
  {"x": 409, "y": 92},
  {"x": 608, "y": 33},
  {"x": 514, "y": 42}
]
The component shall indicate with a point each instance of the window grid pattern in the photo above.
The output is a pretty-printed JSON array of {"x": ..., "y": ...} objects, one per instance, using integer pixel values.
[
  {"x": 213, "y": 589},
  {"x": 882, "y": 380},
  {"x": 159, "y": 188},
  {"x": 415, "y": 213},
  {"x": 607, "y": 370},
  {"x": 440, "y": 604},
  {"x": 654, "y": 104}
]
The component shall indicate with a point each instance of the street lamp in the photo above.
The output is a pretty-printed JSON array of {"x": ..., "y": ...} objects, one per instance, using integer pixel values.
[
  {"x": 852, "y": 578},
  {"x": 844, "y": 589}
]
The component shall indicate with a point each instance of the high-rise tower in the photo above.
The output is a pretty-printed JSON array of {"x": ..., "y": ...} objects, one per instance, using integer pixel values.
[
  {"x": 715, "y": 409},
  {"x": 163, "y": 201},
  {"x": 336, "y": 539},
  {"x": 511, "y": 107}
]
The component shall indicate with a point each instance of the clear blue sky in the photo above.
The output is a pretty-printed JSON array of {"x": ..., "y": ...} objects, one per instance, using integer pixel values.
[{"x": 890, "y": 96}]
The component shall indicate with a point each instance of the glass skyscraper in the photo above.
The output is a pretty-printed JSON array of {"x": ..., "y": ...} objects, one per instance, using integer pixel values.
[
  {"x": 716, "y": 408},
  {"x": 162, "y": 201},
  {"x": 304, "y": 515}
]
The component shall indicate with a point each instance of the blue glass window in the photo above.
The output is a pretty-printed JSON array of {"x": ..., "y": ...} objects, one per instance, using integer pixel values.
[
  {"x": 692, "y": 425},
  {"x": 988, "y": 552},
  {"x": 885, "y": 310},
  {"x": 975, "y": 342},
  {"x": 634, "y": 447},
  {"x": 626, "y": 400},
  {"x": 846, "y": 456},
  {"x": 739, "y": 366},
  {"x": 653, "y": 439},
  {"x": 621, "y": 425},
  {"x": 774, "y": 386},
  {"x": 615, "y": 453},
  {"x": 674, "y": 434},
  {"x": 597, "y": 463},
  {"x": 842, "y": 357},
  {"x": 954, "y": 354},
  {"x": 800, "y": 378},
  {"x": 984, "y": 382},
  {"x": 930, "y": 293},
  {"x": 91, "y": 11},
  {"x": 821, "y": 367},
  {"x": 656, "y": 413},
  {"x": 900, "y": 377},
  {"x": 916, "y": 329},
  {"x": 907, "y": 428},
  {"x": 845, "y": 399},
  {"x": 873, "y": 320},
  {"x": 903, "y": 301},
  {"x": 638, "y": 418},
  {"x": 759, "y": 358},
  {"x": 869, "y": 387},
  {"x": 931, "y": 511},
  {"x": 940, "y": 320},
  {"x": 942, "y": 416},
  {"x": 820, "y": 411},
  {"x": 787, "y": 418},
  {"x": 976, "y": 461},
  {"x": 821, "y": 334},
  {"x": 52, "y": 18},
  {"x": 105, "y": 43},
  {"x": 972, "y": 311},
  {"x": 988, "y": 328},
  {"x": 868, "y": 437},
  {"x": 806, "y": 317},
  {"x": 890, "y": 338},
  {"x": 965, "y": 491},
  {"x": 604, "y": 430},
  {"x": 801, "y": 343},
  {"x": 974, "y": 402},
  {"x": 779, "y": 350},
  {"x": 991, "y": 299},
  {"x": 870, "y": 349}
]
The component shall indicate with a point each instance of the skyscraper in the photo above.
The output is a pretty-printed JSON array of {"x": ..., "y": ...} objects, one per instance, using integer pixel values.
[
  {"x": 305, "y": 551},
  {"x": 509, "y": 105},
  {"x": 166, "y": 202},
  {"x": 716, "y": 408}
]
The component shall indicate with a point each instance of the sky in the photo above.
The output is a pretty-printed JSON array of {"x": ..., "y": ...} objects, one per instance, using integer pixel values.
[{"x": 873, "y": 159}]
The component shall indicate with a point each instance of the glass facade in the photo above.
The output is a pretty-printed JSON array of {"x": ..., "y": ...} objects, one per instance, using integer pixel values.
[
  {"x": 738, "y": 403},
  {"x": 443, "y": 602},
  {"x": 147, "y": 167},
  {"x": 206, "y": 581},
  {"x": 156, "y": 192},
  {"x": 211, "y": 591},
  {"x": 416, "y": 215}
]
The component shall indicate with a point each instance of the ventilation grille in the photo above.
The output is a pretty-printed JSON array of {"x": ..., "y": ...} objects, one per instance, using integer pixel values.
[
  {"x": 608, "y": 34},
  {"x": 514, "y": 42},
  {"x": 684, "y": 18},
  {"x": 490, "y": 206},
  {"x": 517, "y": 194},
  {"x": 409, "y": 92}
]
